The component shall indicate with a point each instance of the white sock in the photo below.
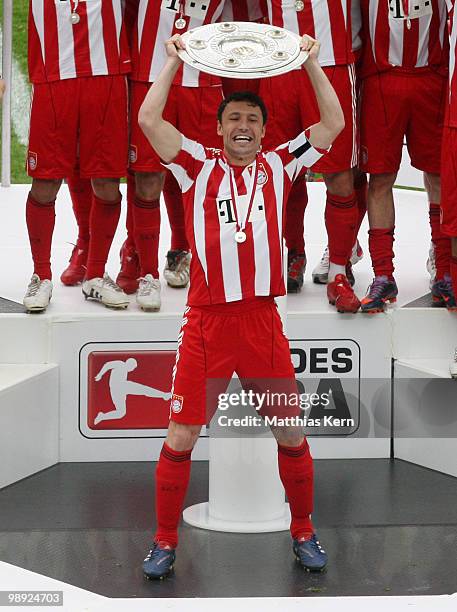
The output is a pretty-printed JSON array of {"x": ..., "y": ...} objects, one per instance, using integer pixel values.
[{"x": 335, "y": 269}]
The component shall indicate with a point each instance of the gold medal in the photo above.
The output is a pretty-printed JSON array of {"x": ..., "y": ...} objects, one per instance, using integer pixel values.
[
  {"x": 299, "y": 5},
  {"x": 180, "y": 23}
]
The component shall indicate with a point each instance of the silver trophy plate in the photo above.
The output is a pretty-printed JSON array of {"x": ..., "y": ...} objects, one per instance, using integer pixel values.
[{"x": 242, "y": 50}]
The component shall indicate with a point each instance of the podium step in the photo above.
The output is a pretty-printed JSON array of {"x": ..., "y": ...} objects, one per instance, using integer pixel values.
[{"x": 29, "y": 420}]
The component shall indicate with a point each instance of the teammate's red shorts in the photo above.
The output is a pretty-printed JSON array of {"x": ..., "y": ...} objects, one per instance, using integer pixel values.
[
  {"x": 292, "y": 107},
  {"x": 215, "y": 341},
  {"x": 395, "y": 105},
  {"x": 83, "y": 121},
  {"x": 192, "y": 110},
  {"x": 449, "y": 182}
]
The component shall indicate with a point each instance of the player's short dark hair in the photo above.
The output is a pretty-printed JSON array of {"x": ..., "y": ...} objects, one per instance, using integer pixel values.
[{"x": 243, "y": 96}]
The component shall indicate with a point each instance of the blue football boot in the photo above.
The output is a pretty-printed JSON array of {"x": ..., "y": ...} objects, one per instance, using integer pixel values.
[
  {"x": 159, "y": 562},
  {"x": 310, "y": 554}
]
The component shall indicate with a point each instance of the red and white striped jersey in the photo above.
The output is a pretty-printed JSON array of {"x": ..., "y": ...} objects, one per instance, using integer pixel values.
[
  {"x": 327, "y": 20},
  {"x": 242, "y": 10},
  {"x": 60, "y": 49},
  {"x": 223, "y": 270},
  {"x": 409, "y": 34},
  {"x": 155, "y": 24},
  {"x": 451, "y": 115}
]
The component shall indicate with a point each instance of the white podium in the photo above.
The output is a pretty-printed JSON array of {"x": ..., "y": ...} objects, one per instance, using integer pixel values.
[{"x": 245, "y": 492}]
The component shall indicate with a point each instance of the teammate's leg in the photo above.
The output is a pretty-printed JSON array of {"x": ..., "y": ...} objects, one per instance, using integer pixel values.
[
  {"x": 40, "y": 217},
  {"x": 81, "y": 198},
  {"x": 128, "y": 276},
  {"x": 146, "y": 221},
  {"x": 341, "y": 221}
]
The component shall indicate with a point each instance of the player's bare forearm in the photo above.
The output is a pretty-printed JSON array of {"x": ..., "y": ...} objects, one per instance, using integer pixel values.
[
  {"x": 331, "y": 114},
  {"x": 163, "y": 136}
]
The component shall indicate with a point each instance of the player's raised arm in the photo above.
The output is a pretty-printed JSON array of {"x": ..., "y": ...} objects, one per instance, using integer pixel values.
[
  {"x": 163, "y": 136},
  {"x": 331, "y": 122}
]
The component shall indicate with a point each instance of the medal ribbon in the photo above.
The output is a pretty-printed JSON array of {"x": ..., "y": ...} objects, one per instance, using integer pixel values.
[{"x": 251, "y": 191}]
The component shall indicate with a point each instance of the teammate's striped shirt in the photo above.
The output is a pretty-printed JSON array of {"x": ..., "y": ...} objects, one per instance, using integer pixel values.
[
  {"x": 155, "y": 24},
  {"x": 407, "y": 34},
  {"x": 58, "y": 49},
  {"x": 221, "y": 269},
  {"x": 329, "y": 21},
  {"x": 242, "y": 10},
  {"x": 451, "y": 115}
]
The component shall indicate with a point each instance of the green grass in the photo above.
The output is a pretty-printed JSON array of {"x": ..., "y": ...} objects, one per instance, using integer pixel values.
[{"x": 20, "y": 27}]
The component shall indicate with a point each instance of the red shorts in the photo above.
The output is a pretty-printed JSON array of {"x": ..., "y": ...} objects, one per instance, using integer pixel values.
[
  {"x": 396, "y": 105},
  {"x": 215, "y": 341},
  {"x": 292, "y": 107},
  {"x": 192, "y": 110},
  {"x": 83, "y": 121},
  {"x": 449, "y": 182}
]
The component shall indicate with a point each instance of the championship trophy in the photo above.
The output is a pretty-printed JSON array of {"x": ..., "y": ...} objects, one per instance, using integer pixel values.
[{"x": 242, "y": 50}]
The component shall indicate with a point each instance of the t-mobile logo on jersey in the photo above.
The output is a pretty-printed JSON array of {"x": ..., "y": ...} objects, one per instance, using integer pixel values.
[
  {"x": 192, "y": 8},
  {"x": 418, "y": 8},
  {"x": 226, "y": 212},
  {"x": 127, "y": 390}
]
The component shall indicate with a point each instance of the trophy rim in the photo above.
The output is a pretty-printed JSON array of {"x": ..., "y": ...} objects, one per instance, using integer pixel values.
[{"x": 238, "y": 72}]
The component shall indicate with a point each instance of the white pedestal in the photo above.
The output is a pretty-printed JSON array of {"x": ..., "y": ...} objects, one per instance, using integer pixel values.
[{"x": 245, "y": 492}]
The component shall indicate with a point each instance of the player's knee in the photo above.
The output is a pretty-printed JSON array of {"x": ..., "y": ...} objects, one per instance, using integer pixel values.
[
  {"x": 288, "y": 436},
  {"x": 149, "y": 185},
  {"x": 182, "y": 437},
  {"x": 340, "y": 183},
  {"x": 432, "y": 184},
  {"x": 106, "y": 189},
  {"x": 381, "y": 184},
  {"x": 44, "y": 191}
]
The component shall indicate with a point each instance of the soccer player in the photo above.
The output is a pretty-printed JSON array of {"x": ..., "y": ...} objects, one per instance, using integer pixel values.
[
  {"x": 293, "y": 107},
  {"x": 404, "y": 84},
  {"x": 234, "y": 203},
  {"x": 78, "y": 59},
  {"x": 194, "y": 97}
]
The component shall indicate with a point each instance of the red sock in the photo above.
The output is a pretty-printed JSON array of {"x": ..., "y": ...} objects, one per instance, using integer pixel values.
[
  {"x": 172, "y": 480},
  {"x": 441, "y": 243},
  {"x": 40, "y": 225},
  {"x": 361, "y": 194},
  {"x": 294, "y": 229},
  {"x": 131, "y": 188},
  {"x": 175, "y": 210},
  {"x": 341, "y": 222},
  {"x": 454, "y": 271},
  {"x": 146, "y": 220},
  {"x": 104, "y": 217},
  {"x": 81, "y": 198},
  {"x": 296, "y": 472},
  {"x": 381, "y": 243}
]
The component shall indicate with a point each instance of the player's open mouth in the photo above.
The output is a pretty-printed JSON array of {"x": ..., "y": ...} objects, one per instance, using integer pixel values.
[{"x": 242, "y": 138}]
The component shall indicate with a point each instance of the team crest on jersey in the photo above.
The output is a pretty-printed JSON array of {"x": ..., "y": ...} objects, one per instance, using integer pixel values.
[
  {"x": 133, "y": 153},
  {"x": 32, "y": 160},
  {"x": 262, "y": 176},
  {"x": 177, "y": 402},
  {"x": 416, "y": 9}
]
